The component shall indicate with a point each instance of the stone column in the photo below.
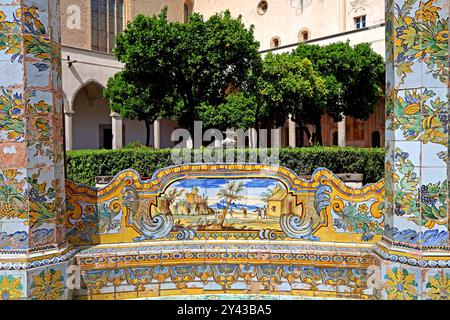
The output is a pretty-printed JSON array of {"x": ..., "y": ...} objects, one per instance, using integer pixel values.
[
  {"x": 342, "y": 133},
  {"x": 253, "y": 138},
  {"x": 415, "y": 260},
  {"x": 117, "y": 131},
  {"x": 157, "y": 134},
  {"x": 292, "y": 133},
  {"x": 276, "y": 137},
  {"x": 68, "y": 118},
  {"x": 32, "y": 197}
]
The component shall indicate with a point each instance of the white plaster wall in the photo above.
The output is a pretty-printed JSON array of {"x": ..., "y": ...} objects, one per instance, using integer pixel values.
[
  {"x": 167, "y": 127},
  {"x": 375, "y": 36},
  {"x": 135, "y": 131},
  {"x": 280, "y": 20},
  {"x": 86, "y": 121},
  {"x": 322, "y": 17},
  {"x": 99, "y": 67},
  {"x": 90, "y": 66}
]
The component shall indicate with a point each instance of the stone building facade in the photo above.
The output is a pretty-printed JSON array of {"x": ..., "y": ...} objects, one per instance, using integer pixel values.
[{"x": 89, "y": 28}]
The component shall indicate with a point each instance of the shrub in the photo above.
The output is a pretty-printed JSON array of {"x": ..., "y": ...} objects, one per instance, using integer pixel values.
[
  {"x": 84, "y": 165},
  {"x": 135, "y": 145}
]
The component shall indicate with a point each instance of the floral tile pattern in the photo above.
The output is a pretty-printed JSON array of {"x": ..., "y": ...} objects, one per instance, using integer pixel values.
[
  {"x": 197, "y": 280},
  {"x": 31, "y": 128},
  {"x": 401, "y": 284},
  {"x": 47, "y": 283},
  {"x": 12, "y": 286},
  {"x": 437, "y": 285},
  {"x": 417, "y": 116}
]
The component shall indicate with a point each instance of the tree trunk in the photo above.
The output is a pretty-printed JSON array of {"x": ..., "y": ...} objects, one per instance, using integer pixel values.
[
  {"x": 318, "y": 125},
  {"x": 147, "y": 130},
  {"x": 308, "y": 134},
  {"x": 224, "y": 215},
  {"x": 169, "y": 211}
]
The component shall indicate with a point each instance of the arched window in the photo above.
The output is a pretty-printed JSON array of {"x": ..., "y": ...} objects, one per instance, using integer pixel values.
[
  {"x": 275, "y": 42},
  {"x": 107, "y": 23},
  {"x": 262, "y": 7},
  {"x": 187, "y": 11},
  {"x": 376, "y": 139},
  {"x": 303, "y": 36}
]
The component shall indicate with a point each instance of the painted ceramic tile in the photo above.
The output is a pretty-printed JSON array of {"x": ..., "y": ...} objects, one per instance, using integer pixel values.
[
  {"x": 233, "y": 206},
  {"x": 11, "y": 39},
  {"x": 13, "y": 285},
  {"x": 420, "y": 34},
  {"x": 437, "y": 285},
  {"x": 47, "y": 283},
  {"x": 12, "y": 114},
  {"x": 359, "y": 218},
  {"x": 401, "y": 284}
]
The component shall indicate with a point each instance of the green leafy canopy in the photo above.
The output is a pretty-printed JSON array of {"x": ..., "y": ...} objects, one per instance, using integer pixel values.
[{"x": 185, "y": 69}]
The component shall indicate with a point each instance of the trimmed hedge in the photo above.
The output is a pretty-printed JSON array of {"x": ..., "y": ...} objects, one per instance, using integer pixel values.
[{"x": 84, "y": 165}]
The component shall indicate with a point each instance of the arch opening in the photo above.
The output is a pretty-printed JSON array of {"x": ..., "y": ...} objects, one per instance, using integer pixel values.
[{"x": 92, "y": 124}]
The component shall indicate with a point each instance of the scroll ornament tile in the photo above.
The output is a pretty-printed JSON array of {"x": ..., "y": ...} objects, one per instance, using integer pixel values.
[{"x": 12, "y": 200}]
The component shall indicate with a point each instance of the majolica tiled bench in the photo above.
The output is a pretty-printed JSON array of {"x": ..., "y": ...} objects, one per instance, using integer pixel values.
[{"x": 213, "y": 228}]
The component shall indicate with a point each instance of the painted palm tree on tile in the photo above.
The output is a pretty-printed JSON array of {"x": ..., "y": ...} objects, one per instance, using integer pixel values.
[{"x": 231, "y": 193}]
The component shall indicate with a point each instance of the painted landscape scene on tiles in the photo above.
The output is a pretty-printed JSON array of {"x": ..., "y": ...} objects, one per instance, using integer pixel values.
[{"x": 227, "y": 204}]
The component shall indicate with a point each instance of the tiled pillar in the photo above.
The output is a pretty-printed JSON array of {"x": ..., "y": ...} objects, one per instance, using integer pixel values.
[
  {"x": 32, "y": 197},
  {"x": 415, "y": 263}
]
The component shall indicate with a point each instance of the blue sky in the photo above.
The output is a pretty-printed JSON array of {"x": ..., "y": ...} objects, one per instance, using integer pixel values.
[{"x": 210, "y": 187}]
